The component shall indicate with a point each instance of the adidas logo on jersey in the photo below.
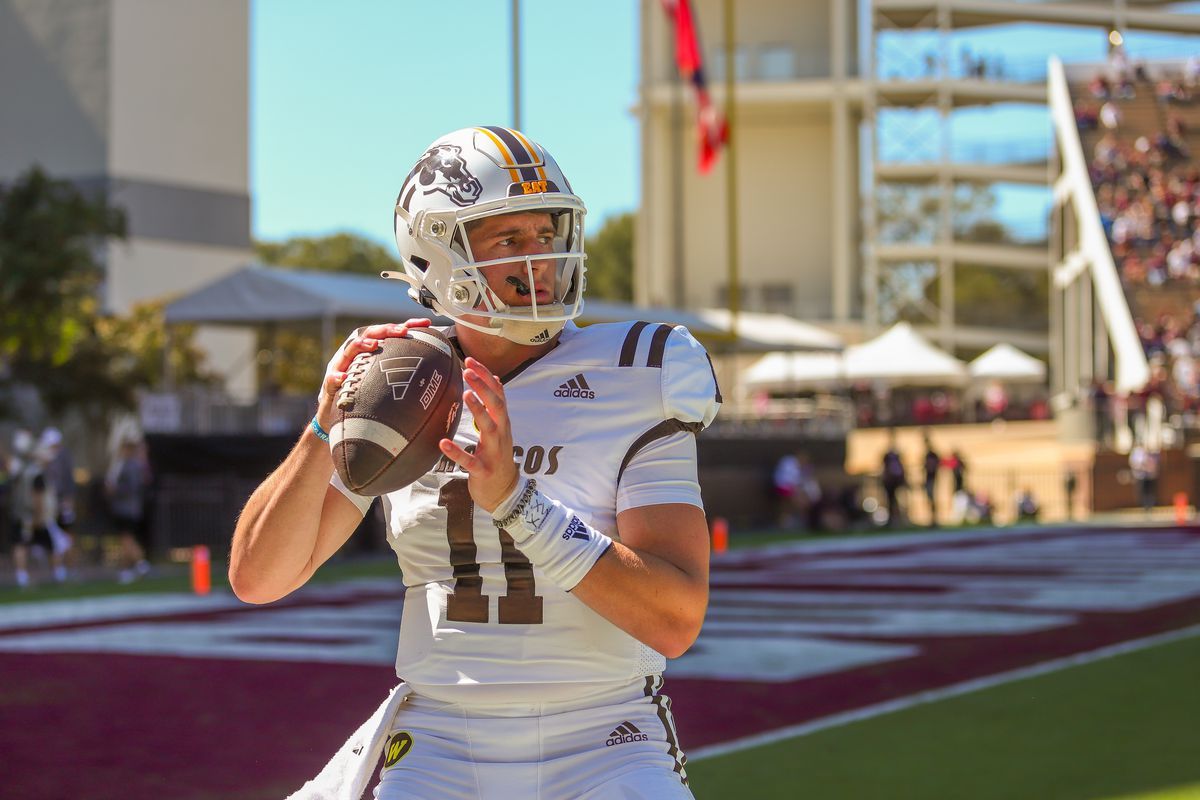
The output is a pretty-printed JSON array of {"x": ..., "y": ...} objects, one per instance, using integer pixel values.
[
  {"x": 576, "y": 387},
  {"x": 625, "y": 733}
]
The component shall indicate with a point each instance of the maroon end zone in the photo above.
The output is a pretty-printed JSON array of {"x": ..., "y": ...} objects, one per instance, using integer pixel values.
[{"x": 129, "y": 698}]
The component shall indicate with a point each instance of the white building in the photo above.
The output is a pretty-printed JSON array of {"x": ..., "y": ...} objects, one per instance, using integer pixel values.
[
  {"x": 147, "y": 101},
  {"x": 836, "y": 115}
]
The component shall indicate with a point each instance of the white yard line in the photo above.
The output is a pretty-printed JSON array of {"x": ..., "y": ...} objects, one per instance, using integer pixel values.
[{"x": 933, "y": 695}]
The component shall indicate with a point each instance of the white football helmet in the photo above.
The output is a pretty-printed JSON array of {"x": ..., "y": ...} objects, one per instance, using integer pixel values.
[{"x": 468, "y": 175}]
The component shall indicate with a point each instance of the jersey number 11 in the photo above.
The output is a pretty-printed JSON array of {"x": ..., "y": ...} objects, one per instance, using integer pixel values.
[{"x": 519, "y": 605}]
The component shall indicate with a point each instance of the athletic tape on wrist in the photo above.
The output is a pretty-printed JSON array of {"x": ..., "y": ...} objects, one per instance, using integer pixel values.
[
  {"x": 506, "y": 513},
  {"x": 553, "y": 538}
]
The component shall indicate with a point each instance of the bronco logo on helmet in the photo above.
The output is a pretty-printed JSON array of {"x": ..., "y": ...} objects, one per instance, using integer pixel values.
[{"x": 444, "y": 168}]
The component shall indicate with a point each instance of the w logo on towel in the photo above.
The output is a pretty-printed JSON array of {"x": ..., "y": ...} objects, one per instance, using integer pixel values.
[{"x": 397, "y": 747}]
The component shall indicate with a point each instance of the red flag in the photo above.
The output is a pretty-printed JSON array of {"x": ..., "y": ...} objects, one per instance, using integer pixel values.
[
  {"x": 710, "y": 124},
  {"x": 687, "y": 45},
  {"x": 714, "y": 132}
]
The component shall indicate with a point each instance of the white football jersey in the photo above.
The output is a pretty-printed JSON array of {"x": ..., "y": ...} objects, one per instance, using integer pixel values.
[{"x": 477, "y": 614}]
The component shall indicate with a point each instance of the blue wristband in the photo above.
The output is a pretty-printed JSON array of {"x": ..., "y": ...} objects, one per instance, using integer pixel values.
[{"x": 319, "y": 431}]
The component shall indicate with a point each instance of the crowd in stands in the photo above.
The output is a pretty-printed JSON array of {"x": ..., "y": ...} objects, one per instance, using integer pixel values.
[
  {"x": 995, "y": 401},
  {"x": 1148, "y": 195}
]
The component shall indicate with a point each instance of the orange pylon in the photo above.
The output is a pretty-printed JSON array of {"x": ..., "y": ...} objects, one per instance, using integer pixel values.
[
  {"x": 720, "y": 535},
  {"x": 1181, "y": 508},
  {"x": 201, "y": 570}
]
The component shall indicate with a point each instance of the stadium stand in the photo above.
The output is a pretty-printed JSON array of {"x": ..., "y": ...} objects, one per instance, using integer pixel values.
[{"x": 1141, "y": 134}]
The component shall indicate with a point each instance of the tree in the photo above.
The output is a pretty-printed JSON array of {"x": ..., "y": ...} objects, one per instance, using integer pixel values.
[
  {"x": 983, "y": 295},
  {"x": 48, "y": 269},
  {"x": 139, "y": 340},
  {"x": 49, "y": 281},
  {"x": 610, "y": 260},
  {"x": 341, "y": 252},
  {"x": 53, "y": 336},
  {"x": 997, "y": 297}
]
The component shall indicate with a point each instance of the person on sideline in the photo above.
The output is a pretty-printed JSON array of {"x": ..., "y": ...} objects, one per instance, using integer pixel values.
[
  {"x": 1143, "y": 466},
  {"x": 125, "y": 487},
  {"x": 933, "y": 462},
  {"x": 557, "y": 555},
  {"x": 893, "y": 480},
  {"x": 35, "y": 507},
  {"x": 60, "y": 471}
]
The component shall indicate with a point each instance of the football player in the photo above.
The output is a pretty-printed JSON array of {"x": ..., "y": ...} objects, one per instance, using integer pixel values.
[{"x": 557, "y": 555}]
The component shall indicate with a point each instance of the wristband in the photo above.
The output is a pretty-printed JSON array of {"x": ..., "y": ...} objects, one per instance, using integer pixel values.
[
  {"x": 511, "y": 507},
  {"x": 318, "y": 431},
  {"x": 553, "y": 537}
]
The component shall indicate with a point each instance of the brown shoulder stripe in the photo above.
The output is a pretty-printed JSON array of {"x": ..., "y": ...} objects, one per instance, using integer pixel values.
[
  {"x": 658, "y": 346},
  {"x": 716, "y": 382},
  {"x": 659, "y": 431},
  {"x": 629, "y": 348}
]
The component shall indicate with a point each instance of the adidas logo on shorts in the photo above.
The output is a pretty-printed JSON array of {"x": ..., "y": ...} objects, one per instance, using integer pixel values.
[
  {"x": 576, "y": 387},
  {"x": 624, "y": 733}
]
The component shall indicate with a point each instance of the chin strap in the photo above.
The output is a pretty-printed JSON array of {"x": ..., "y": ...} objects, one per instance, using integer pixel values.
[
  {"x": 423, "y": 296},
  {"x": 529, "y": 332}
]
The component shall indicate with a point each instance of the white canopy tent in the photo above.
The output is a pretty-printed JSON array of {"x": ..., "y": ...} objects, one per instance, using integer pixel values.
[
  {"x": 1005, "y": 363},
  {"x": 777, "y": 331},
  {"x": 785, "y": 372},
  {"x": 899, "y": 357},
  {"x": 902, "y": 357}
]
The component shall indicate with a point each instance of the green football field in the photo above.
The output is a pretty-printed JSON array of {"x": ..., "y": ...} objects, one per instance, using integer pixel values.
[{"x": 1121, "y": 727}]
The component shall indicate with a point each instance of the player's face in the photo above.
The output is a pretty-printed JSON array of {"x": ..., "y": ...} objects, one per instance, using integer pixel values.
[{"x": 523, "y": 233}]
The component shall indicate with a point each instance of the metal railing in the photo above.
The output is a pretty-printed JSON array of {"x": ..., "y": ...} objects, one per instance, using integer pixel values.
[
  {"x": 199, "y": 411},
  {"x": 825, "y": 416}
]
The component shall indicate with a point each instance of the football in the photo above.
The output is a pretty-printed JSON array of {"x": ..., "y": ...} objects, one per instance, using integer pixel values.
[{"x": 396, "y": 403}]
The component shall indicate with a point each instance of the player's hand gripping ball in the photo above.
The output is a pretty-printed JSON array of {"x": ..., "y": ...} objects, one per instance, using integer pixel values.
[{"x": 397, "y": 402}]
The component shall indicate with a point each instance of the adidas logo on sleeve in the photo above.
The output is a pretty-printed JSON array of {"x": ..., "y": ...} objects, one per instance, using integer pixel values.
[
  {"x": 576, "y": 530},
  {"x": 576, "y": 387},
  {"x": 625, "y": 733}
]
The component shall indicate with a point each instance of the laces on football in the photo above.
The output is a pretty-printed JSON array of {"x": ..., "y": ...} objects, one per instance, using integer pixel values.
[{"x": 358, "y": 368}]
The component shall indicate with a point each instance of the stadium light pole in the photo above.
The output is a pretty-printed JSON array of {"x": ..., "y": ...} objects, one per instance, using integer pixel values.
[
  {"x": 731, "y": 205},
  {"x": 516, "y": 63}
]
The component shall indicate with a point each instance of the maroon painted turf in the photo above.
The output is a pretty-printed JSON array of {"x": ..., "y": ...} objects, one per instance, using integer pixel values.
[{"x": 131, "y": 727}]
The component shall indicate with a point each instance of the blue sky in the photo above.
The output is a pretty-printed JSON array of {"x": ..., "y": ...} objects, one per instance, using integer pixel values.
[{"x": 345, "y": 96}]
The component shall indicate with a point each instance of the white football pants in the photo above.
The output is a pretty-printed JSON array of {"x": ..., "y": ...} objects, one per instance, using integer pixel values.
[{"x": 618, "y": 744}]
